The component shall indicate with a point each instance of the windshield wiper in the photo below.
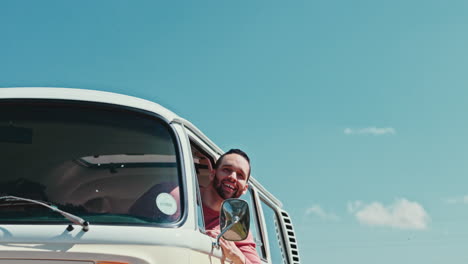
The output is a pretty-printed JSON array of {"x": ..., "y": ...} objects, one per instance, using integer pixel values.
[{"x": 73, "y": 218}]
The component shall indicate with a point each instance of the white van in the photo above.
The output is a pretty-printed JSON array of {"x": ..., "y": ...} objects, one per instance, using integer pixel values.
[{"x": 78, "y": 168}]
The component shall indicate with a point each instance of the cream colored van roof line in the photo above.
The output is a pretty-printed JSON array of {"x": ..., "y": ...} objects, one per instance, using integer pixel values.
[
  {"x": 199, "y": 133},
  {"x": 262, "y": 189},
  {"x": 86, "y": 95}
]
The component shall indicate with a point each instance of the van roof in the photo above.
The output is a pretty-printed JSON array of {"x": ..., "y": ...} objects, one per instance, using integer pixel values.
[{"x": 86, "y": 95}]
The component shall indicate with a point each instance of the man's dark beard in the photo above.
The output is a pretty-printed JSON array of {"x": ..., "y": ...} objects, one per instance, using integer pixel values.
[{"x": 219, "y": 189}]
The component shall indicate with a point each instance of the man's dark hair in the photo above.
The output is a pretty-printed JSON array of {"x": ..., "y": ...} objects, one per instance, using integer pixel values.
[{"x": 234, "y": 151}]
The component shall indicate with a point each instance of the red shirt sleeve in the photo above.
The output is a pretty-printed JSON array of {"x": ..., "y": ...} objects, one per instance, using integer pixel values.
[{"x": 247, "y": 247}]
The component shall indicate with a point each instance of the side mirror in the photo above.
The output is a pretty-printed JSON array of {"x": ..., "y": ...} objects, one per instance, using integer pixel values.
[{"x": 234, "y": 220}]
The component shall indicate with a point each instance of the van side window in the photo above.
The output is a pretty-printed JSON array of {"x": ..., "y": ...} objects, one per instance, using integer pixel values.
[
  {"x": 275, "y": 234},
  {"x": 254, "y": 223}
]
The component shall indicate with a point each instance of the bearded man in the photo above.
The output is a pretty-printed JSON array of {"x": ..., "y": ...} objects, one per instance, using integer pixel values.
[{"x": 228, "y": 179}]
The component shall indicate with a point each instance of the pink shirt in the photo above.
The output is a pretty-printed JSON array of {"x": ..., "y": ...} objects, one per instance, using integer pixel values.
[{"x": 247, "y": 246}]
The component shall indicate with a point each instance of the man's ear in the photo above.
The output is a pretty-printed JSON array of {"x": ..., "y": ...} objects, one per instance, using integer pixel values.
[
  {"x": 246, "y": 187},
  {"x": 212, "y": 175}
]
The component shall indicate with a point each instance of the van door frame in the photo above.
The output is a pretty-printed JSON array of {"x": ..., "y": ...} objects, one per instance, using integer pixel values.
[{"x": 205, "y": 242}]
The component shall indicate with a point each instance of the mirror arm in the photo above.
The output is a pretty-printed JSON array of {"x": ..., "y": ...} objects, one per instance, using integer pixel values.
[{"x": 235, "y": 220}]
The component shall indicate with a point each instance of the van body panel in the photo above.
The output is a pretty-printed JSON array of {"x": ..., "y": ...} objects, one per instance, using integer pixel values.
[
  {"x": 93, "y": 253},
  {"x": 122, "y": 244}
]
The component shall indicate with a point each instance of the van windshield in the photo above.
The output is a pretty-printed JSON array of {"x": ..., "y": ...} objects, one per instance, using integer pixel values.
[{"x": 105, "y": 164}]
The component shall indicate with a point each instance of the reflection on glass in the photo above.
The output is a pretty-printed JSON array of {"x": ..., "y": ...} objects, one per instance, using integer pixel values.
[{"x": 99, "y": 163}]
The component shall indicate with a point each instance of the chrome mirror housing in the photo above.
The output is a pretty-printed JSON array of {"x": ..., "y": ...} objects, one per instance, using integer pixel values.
[{"x": 234, "y": 220}]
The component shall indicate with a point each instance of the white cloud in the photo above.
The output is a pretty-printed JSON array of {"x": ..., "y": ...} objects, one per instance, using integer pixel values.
[
  {"x": 318, "y": 211},
  {"x": 401, "y": 214},
  {"x": 353, "y": 206},
  {"x": 376, "y": 131},
  {"x": 457, "y": 200}
]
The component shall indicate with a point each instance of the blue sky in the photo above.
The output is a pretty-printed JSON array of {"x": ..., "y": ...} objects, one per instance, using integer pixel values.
[{"x": 353, "y": 111}]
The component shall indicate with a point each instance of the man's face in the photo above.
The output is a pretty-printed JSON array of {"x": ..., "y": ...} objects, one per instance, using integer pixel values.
[{"x": 230, "y": 178}]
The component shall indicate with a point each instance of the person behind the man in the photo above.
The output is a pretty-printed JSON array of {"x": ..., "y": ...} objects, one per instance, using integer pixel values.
[{"x": 228, "y": 179}]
